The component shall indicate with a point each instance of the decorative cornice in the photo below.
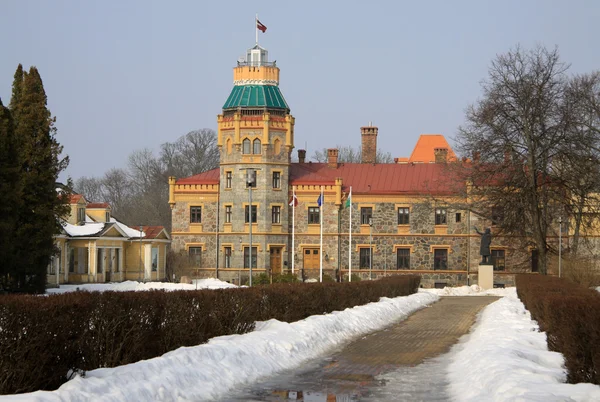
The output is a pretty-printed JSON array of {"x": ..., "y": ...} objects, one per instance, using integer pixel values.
[{"x": 255, "y": 82}]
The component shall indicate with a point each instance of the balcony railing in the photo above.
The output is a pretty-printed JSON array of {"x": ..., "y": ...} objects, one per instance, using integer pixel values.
[{"x": 257, "y": 63}]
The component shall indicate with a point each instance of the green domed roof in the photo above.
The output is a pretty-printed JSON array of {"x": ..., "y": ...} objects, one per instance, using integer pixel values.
[{"x": 268, "y": 96}]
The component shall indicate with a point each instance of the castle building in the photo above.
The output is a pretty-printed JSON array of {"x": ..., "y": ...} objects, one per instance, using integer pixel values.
[{"x": 401, "y": 222}]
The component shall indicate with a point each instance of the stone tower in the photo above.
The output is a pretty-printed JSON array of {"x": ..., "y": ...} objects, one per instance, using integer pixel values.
[{"x": 255, "y": 131}]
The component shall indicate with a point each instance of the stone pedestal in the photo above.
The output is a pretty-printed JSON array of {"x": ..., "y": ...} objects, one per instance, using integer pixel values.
[{"x": 486, "y": 276}]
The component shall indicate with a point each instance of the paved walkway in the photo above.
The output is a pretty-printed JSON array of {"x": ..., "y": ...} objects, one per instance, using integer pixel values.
[{"x": 350, "y": 372}]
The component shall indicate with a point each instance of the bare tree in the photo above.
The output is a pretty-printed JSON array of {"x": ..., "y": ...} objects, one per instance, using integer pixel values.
[
  {"x": 91, "y": 187},
  {"x": 348, "y": 154},
  {"x": 520, "y": 127},
  {"x": 117, "y": 191}
]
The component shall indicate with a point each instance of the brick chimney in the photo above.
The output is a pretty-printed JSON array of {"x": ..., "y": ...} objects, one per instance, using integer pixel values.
[
  {"x": 301, "y": 155},
  {"x": 369, "y": 143},
  {"x": 441, "y": 155},
  {"x": 332, "y": 158}
]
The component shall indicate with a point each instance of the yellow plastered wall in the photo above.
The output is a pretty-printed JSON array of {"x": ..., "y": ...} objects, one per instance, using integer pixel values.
[
  {"x": 98, "y": 214},
  {"x": 132, "y": 261}
]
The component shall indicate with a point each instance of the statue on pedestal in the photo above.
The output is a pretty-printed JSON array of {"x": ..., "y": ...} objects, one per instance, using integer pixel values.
[{"x": 484, "y": 248}]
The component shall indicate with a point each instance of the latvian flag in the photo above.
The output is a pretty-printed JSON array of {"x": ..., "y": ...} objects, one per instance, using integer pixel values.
[{"x": 260, "y": 26}]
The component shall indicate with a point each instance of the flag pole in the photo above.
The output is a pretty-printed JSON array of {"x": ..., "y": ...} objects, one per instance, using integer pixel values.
[
  {"x": 350, "y": 239},
  {"x": 321, "y": 251},
  {"x": 293, "y": 227},
  {"x": 256, "y": 28}
]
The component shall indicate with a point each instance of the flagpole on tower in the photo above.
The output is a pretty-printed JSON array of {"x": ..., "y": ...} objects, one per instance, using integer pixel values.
[{"x": 256, "y": 28}]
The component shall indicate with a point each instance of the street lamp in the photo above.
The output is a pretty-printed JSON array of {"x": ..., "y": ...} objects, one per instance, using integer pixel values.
[
  {"x": 559, "y": 246},
  {"x": 370, "y": 248}
]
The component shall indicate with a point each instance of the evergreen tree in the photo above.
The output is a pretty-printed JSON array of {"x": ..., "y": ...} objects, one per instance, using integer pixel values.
[
  {"x": 43, "y": 207},
  {"x": 10, "y": 198}
]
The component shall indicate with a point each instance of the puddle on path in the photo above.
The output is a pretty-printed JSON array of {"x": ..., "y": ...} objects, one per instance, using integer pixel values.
[{"x": 424, "y": 382}]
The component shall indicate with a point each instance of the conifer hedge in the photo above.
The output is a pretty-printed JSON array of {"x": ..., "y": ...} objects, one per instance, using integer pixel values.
[
  {"x": 43, "y": 340},
  {"x": 570, "y": 316}
]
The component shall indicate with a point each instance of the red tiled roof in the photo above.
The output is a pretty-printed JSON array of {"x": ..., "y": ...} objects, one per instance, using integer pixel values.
[
  {"x": 424, "y": 149},
  {"x": 208, "y": 177},
  {"x": 152, "y": 231},
  {"x": 75, "y": 198},
  {"x": 385, "y": 178},
  {"x": 92, "y": 205}
]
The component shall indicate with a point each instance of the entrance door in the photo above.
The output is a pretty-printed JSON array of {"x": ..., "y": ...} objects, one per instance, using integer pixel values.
[
  {"x": 311, "y": 258},
  {"x": 275, "y": 260}
]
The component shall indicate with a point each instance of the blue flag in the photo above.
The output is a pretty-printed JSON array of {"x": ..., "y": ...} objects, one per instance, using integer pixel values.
[{"x": 320, "y": 200}]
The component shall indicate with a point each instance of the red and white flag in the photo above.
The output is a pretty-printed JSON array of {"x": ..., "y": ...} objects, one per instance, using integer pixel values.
[
  {"x": 260, "y": 26},
  {"x": 293, "y": 201}
]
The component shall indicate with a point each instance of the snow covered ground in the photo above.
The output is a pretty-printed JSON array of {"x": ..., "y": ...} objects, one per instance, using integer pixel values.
[
  {"x": 137, "y": 286},
  {"x": 472, "y": 290},
  {"x": 506, "y": 358},
  {"x": 208, "y": 371}
]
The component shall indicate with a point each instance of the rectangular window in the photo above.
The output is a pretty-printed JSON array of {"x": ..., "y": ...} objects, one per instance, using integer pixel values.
[
  {"x": 313, "y": 215},
  {"x": 534, "y": 261},
  {"x": 253, "y": 214},
  {"x": 497, "y": 216},
  {"x": 72, "y": 260},
  {"x": 276, "y": 214},
  {"x": 403, "y": 216},
  {"x": 227, "y": 213},
  {"x": 365, "y": 258},
  {"x": 117, "y": 260},
  {"x": 440, "y": 258},
  {"x": 276, "y": 179},
  {"x": 440, "y": 216},
  {"x": 154, "y": 259},
  {"x": 498, "y": 260},
  {"x": 246, "y": 260},
  {"x": 403, "y": 258},
  {"x": 107, "y": 216},
  {"x": 195, "y": 214},
  {"x": 100, "y": 260},
  {"x": 80, "y": 215},
  {"x": 228, "y": 179},
  {"x": 195, "y": 254},
  {"x": 227, "y": 257},
  {"x": 458, "y": 217},
  {"x": 366, "y": 215}
]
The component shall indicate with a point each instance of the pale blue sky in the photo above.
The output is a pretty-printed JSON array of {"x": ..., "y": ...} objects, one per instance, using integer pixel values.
[{"x": 124, "y": 75}]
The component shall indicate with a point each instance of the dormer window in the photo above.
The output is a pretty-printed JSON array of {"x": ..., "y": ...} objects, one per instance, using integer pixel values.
[
  {"x": 107, "y": 217},
  {"x": 80, "y": 215}
]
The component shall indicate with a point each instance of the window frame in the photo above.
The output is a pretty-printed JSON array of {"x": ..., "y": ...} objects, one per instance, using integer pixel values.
[
  {"x": 364, "y": 257},
  {"x": 276, "y": 180},
  {"x": 254, "y": 213},
  {"x": 228, "y": 213},
  {"x": 154, "y": 268},
  {"x": 195, "y": 214},
  {"x": 366, "y": 214},
  {"x": 246, "y": 146},
  {"x": 276, "y": 214},
  {"x": 494, "y": 258},
  {"x": 254, "y": 256},
  {"x": 403, "y": 258},
  {"x": 404, "y": 217},
  {"x": 228, "y": 178},
  {"x": 256, "y": 144},
  {"x": 314, "y": 215},
  {"x": 195, "y": 256},
  {"x": 441, "y": 216},
  {"x": 80, "y": 215},
  {"x": 227, "y": 250},
  {"x": 438, "y": 259}
]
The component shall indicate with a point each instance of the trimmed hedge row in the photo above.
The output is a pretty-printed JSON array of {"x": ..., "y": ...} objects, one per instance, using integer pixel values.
[
  {"x": 570, "y": 315},
  {"x": 43, "y": 340}
]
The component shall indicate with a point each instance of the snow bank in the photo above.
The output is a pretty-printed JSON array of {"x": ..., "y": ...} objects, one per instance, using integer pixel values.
[
  {"x": 506, "y": 358},
  {"x": 472, "y": 290},
  {"x": 129, "y": 286},
  {"x": 210, "y": 370}
]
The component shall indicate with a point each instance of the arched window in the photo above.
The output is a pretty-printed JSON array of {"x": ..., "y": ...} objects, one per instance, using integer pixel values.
[
  {"x": 246, "y": 146},
  {"x": 256, "y": 144},
  {"x": 228, "y": 146},
  {"x": 277, "y": 146}
]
